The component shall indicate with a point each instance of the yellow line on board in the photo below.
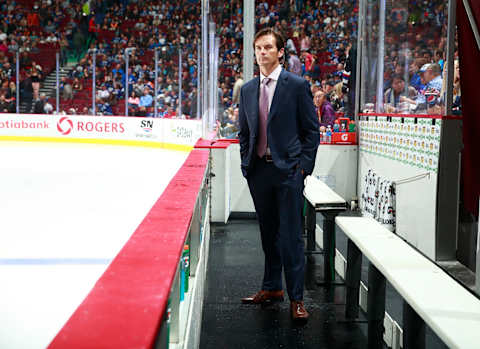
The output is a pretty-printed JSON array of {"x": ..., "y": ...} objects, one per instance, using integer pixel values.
[{"x": 170, "y": 146}]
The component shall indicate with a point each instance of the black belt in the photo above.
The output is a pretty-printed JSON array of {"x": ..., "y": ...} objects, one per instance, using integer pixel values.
[{"x": 267, "y": 158}]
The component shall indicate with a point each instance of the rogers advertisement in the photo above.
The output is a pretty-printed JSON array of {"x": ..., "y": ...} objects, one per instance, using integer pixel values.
[{"x": 92, "y": 126}]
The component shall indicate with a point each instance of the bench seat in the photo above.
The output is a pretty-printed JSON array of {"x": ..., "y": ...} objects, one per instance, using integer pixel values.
[
  {"x": 321, "y": 196},
  {"x": 450, "y": 310}
]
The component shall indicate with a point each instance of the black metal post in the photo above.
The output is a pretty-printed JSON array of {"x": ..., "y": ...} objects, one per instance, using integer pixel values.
[
  {"x": 413, "y": 328},
  {"x": 163, "y": 335},
  {"x": 57, "y": 82},
  {"x": 376, "y": 307},
  {"x": 155, "y": 113},
  {"x": 352, "y": 279},
  {"x": 311, "y": 223},
  {"x": 17, "y": 81},
  {"x": 94, "y": 84},
  {"x": 329, "y": 247}
]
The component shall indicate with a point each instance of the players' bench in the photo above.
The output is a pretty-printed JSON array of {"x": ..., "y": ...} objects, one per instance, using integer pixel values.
[
  {"x": 321, "y": 198},
  {"x": 430, "y": 296}
]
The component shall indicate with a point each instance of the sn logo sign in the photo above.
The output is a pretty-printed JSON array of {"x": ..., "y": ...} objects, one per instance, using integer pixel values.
[{"x": 147, "y": 125}]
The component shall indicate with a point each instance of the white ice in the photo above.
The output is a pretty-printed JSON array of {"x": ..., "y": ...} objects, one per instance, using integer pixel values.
[{"x": 66, "y": 210}]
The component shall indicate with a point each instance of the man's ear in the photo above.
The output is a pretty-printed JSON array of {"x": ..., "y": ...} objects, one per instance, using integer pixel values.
[{"x": 281, "y": 53}]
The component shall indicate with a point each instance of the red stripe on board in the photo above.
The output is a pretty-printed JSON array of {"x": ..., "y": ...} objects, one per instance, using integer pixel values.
[
  {"x": 228, "y": 140},
  {"x": 420, "y": 116},
  {"x": 126, "y": 305}
]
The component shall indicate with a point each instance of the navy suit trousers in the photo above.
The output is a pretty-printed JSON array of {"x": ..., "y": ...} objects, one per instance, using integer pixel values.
[{"x": 278, "y": 202}]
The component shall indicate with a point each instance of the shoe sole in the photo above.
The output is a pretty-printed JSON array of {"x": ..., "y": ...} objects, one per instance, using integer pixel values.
[
  {"x": 266, "y": 302},
  {"x": 300, "y": 320}
]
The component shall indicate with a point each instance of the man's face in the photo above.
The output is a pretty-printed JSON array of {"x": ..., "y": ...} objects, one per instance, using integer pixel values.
[
  {"x": 428, "y": 75},
  {"x": 398, "y": 85},
  {"x": 266, "y": 51}
]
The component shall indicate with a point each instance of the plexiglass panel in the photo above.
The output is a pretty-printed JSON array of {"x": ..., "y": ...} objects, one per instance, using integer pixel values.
[{"x": 403, "y": 67}]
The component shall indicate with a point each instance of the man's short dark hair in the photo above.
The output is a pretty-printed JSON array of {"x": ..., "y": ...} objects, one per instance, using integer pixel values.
[
  {"x": 398, "y": 77},
  {"x": 279, "y": 40}
]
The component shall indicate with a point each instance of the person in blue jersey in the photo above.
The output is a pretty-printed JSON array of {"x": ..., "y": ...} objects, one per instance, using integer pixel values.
[
  {"x": 429, "y": 97},
  {"x": 279, "y": 137}
]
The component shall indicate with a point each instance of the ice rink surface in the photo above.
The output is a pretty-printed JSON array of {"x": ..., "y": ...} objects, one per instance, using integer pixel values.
[{"x": 66, "y": 210}]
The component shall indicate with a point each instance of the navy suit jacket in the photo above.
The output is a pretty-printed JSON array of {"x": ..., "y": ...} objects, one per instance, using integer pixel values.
[{"x": 292, "y": 126}]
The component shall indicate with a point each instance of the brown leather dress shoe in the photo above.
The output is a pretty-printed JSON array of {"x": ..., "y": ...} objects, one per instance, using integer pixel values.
[
  {"x": 299, "y": 313},
  {"x": 264, "y": 297}
]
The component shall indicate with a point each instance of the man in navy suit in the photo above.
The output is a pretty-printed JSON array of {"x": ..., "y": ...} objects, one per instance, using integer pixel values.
[{"x": 279, "y": 137}]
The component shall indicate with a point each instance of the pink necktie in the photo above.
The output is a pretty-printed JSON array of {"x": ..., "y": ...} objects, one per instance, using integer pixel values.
[{"x": 262, "y": 118}]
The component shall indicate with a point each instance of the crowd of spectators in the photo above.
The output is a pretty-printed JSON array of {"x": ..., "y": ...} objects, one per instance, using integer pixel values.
[
  {"x": 146, "y": 26},
  {"x": 319, "y": 37},
  {"x": 36, "y": 31},
  {"x": 320, "y": 46},
  {"x": 414, "y": 69}
]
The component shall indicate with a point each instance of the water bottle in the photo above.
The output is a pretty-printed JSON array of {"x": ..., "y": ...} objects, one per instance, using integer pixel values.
[
  {"x": 322, "y": 134},
  {"x": 329, "y": 134},
  {"x": 186, "y": 266},
  {"x": 182, "y": 279}
]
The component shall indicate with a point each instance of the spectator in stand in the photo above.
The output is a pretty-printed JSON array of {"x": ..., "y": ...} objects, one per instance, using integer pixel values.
[
  {"x": 236, "y": 88},
  {"x": 36, "y": 76},
  {"x": 328, "y": 88},
  {"x": 7, "y": 71},
  {"x": 294, "y": 64},
  {"x": 146, "y": 100},
  {"x": 27, "y": 92},
  {"x": 50, "y": 27},
  {"x": 47, "y": 108},
  {"x": 414, "y": 70},
  {"x": 394, "y": 95},
  {"x": 77, "y": 85},
  {"x": 324, "y": 109},
  {"x": 78, "y": 42},
  {"x": 104, "y": 107},
  {"x": 103, "y": 93},
  {"x": 308, "y": 61},
  {"x": 64, "y": 47},
  {"x": 11, "y": 96},
  {"x": 92, "y": 27},
  {"x": 4, "y": 105},
  {"x": 433, "y": 88},
  {"x": 337, "y": 98},
  {"x": 439, "y": 58},
  {"x": 40, "y": 104},
  {"x": 4, "y": 46},
  {"x": 429, "y": 99},
  {"x": 304, "y": 41},
  {"x": 32, "y": 19},
  {"x": 133, "y": 101},
  {"x": 66, "y": 89}
]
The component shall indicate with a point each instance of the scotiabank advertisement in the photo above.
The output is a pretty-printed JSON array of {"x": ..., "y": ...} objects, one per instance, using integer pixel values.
[{"x": 168, "y": 131}]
